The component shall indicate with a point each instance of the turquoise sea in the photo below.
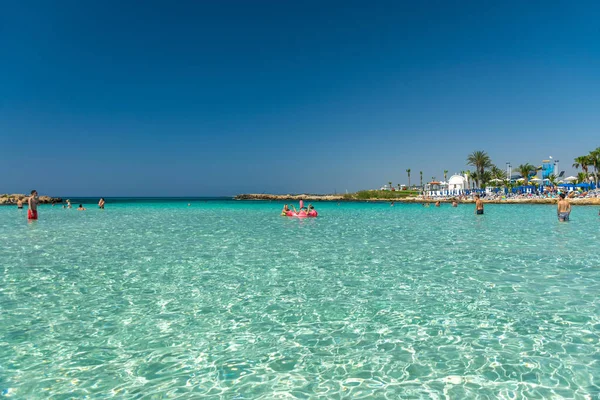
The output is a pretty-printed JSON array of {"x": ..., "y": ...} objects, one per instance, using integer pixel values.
[{"x": 225, "y": 299}]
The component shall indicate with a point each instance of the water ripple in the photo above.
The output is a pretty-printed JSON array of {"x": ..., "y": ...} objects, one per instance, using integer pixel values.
[{"x": 228, "y": 300}]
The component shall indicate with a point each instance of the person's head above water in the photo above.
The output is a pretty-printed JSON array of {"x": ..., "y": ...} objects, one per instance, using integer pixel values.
[{"x": 562, "y": 195}]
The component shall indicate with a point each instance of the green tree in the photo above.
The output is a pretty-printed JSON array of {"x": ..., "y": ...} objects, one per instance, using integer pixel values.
[
  {"x": 582, "y": 177},
  {"x": 594, "y": 158},
  {"x": 408, "y": 172},
  {"x": 445, "y": 175},
  {"x": 485, "y": 178},
  {"x": 553, "y": 179},
  {"x": 584, "y": 162},
  {"x": 525, "y": 170},
  {"x": 498, "y": 173},
  {"x": 473, "y": 179},
  {"x": 390, "y": 183},
  {"x": 421, "y": 175},
  {"x": 480, "y": 160}
]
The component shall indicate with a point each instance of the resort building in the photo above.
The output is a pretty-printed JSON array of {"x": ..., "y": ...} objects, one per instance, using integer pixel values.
[{"x": 457, "y": 183}]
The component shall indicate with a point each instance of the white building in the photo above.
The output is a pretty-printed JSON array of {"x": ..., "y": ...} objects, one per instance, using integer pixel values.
[{"x": 458, "y": 183}]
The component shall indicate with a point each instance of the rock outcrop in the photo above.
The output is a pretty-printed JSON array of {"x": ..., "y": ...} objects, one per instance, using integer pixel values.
[
  {"x": 12, "y": 199},
  {"x": 282, "y": 197}
]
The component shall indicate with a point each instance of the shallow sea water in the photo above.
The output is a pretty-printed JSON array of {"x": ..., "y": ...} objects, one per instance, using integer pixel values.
[{"x": 227, "y": 299}]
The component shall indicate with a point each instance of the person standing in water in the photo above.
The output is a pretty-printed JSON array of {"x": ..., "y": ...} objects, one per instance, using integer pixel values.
[
  {"x": 563, "y": 209},
  {"x": 101, "y": 203},
  {"x": 32, "y": 202},
  {"x": 478, "y": 205},
  {"x": 20, "y": 204}
]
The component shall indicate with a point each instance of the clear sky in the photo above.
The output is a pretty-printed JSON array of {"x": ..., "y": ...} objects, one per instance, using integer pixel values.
[{"x": 216, "y": 98}]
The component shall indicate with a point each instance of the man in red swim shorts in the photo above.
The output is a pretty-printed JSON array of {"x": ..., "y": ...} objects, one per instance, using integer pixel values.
[{"x": 33, "y": 203}]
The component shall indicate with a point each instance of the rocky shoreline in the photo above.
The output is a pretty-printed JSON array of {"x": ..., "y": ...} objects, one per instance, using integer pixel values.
[
  {"x": 340, "y": 198},
  {"x": 12, "y": 199},
  {"x": 282, "y": 197}
]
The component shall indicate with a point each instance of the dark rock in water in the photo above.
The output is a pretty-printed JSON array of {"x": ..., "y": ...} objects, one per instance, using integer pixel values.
[
  {"x": 12, "y": 199},
  {"x": 307, "y": 197}
]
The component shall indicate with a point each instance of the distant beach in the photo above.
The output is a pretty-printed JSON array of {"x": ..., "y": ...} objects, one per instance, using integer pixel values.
[{"x": 415, "y": 199}]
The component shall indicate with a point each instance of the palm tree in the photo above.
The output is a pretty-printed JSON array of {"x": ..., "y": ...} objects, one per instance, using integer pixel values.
[
  {"x": 525, "y": 170},
  {"x": 421, "y": 174},
  {"x": 480, "y": 160},
  {"x": 584, "y": 162},
  {"x": 595, "y": 162},
  {"x": 408, "y": 172},
  {"x": 485, "y": 178},
  {"x": 553, "y": 179},
  {"x": 473, "y": 178},
  {"x": 445, "y": 175},
  {"x": 391, "y": 188},
  {"x": 498, "y": 173},
  {"x": 581, "y": 177},
  {"x": 399, "y": 187}
]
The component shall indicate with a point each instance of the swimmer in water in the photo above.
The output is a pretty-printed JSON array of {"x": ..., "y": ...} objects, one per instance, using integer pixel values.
[
  {"x": 81, "y": 208},
  {"x": 563, "y": 209},
  {"x": 478, "y": 205}
]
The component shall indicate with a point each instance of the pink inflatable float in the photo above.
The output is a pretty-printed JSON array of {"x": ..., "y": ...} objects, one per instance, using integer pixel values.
[{"x": 302, "y": 214}]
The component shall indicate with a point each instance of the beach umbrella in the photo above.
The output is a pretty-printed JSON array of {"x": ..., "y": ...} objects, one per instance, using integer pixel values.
[
  {"x": 570, "y": 178},
  {"x": 535, "y": 180}
]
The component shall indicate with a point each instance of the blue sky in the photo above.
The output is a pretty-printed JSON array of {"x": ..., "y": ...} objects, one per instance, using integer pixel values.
[{"x": 217, "y": 98}]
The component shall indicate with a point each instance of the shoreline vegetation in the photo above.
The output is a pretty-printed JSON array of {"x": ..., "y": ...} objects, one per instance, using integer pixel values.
[
  {"x": 12, "y": 199},
  {"x": 406, "y": 196}
]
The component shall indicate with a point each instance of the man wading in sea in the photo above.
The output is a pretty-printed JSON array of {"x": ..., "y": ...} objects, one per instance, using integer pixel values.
[
  {"x": 563, "y": 209},
  {"x": 478, "y": 205},
  {"x": 32, "y": 202}
]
